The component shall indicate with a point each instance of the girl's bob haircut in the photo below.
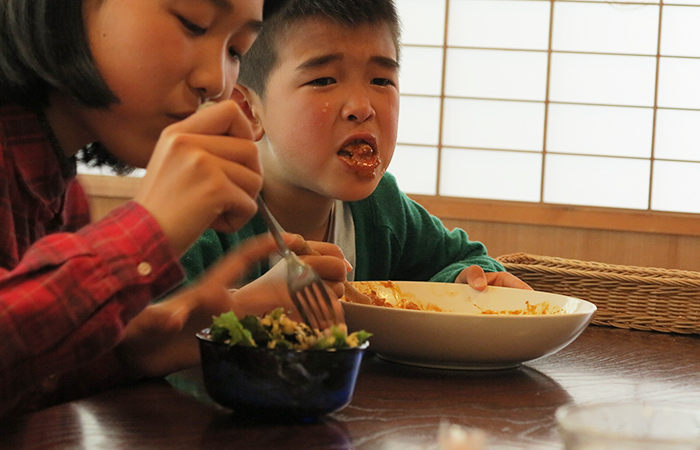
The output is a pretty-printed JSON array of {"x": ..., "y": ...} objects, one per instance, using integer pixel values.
[{"x": 43, "y": 48}]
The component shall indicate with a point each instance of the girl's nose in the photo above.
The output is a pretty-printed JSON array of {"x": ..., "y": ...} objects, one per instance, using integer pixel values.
[
  {"x": 358, "y": 108},
  {"x": 209, "y": 78}
]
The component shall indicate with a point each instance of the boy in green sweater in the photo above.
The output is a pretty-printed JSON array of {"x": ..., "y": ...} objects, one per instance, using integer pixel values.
[{"x": 320, "y": 86}]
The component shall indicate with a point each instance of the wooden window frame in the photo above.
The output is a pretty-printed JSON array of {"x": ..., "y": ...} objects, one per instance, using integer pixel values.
[
  {"x": 457, "y": 208},
  {"x": 568, "y": 216}
]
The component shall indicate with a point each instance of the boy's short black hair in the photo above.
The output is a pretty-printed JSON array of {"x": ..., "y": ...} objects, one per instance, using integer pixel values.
[
  {"x": 43, "y": 48},
  {"x": 261, "y": 59}
]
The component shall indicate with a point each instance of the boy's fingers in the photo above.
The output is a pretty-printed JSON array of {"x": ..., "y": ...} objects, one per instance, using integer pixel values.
[
  {"x": 326, "y": 248},
  {"x": 329, "y": 268},
  {"x": 298, "y": 245},
  {"x": 506, "y": 279},
  {"x": 473, "y": 275},
  {"x": 303, "y": 248}
]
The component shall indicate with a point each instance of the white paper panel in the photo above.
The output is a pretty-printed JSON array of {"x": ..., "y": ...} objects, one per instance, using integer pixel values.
[
  {"x": 680, "y": 31},
  {"x": 421, "y": 70},
  {"x": 493, "y": 124},
  {"x": 491, "y": 175},
  {"x": 419, "y": 120},
  {"x": 683, "y": 2},
  {"x": 515, "y": 75},
  {"x": 629, "y": 1},
  {"x": 499, "y": 24},
  {"x": 415, "y": 169},
  {"x": 677, "y": 135},
  {"x": 676, "y": 187},
  {"x": 605, "y": 28},
  {"x": 603, "y": 79},
  {"x": 600, "y": 130},
  {"x": 679, "y": 83},
  {"x": 423, "y": 21},
  {"x": 597, "y": 181}
]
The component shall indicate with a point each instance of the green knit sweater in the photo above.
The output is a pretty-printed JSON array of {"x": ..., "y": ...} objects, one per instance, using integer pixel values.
[{"x": 395, "y": 239}]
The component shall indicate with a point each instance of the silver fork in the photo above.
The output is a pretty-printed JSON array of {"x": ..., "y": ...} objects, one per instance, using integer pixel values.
[{"x": 309, "y": 295}]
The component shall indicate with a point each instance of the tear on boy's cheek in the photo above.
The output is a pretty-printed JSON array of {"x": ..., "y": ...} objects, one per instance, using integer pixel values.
[{"x": 361, "y": 158}]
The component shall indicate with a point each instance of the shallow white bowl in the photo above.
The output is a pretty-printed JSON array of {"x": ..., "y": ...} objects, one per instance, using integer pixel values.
[{"x": 464, "y": 338}]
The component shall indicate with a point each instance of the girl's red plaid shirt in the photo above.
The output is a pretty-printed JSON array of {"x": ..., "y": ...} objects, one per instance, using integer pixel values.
[{"x": 67, "y": 287}]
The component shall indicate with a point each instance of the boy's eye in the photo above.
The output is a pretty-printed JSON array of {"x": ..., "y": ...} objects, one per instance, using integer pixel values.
[
  {"x": 191, "y": 27},
  {"x": 382, "y": 82},
  {"x": 325, "y": 81}
]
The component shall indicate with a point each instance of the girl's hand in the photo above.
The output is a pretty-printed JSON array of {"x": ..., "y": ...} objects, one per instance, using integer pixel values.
[
  {"x": 204, "y": 172},
  {"x": 161, "y": 339},
  {"x": 478, "y": 279}
]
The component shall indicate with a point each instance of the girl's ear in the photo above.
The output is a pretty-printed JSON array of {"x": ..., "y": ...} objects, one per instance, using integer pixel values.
[{"x": 247, "y": 100}]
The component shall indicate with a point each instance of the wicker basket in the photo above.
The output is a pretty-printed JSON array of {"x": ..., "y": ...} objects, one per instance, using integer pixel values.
[{"x": 640, "y": 298}]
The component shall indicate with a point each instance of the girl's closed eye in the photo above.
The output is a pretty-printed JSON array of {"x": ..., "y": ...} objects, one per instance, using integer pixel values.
[
  {"x": 191, "y": 26},
  {"x": 234, "y": 54},
  {"x": 197, "y": 30}
]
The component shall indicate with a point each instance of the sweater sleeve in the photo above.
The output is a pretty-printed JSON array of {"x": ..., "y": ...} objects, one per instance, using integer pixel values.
[
  {"x": 397, "y": 239},
  {"x": 212, "y": 246},
  {"x": 208, "y": 248},
  {"x": 69, "y": 299}
]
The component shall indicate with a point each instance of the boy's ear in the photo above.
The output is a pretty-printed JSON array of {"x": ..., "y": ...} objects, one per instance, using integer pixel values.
[{"x": 246, "y": 100}]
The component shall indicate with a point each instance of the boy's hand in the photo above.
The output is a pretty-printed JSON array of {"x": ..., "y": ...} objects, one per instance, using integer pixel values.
[
  {"x": 161, "y": 339},
  {"x": 262, "y": 295},
  {"x": 327, "y": 260},
  {"x": 478, "y": 279},
  {"x": 204, "y": 172}
]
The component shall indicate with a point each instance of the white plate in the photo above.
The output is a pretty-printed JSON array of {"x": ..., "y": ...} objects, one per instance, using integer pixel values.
[{"x": 464, "y": 338}]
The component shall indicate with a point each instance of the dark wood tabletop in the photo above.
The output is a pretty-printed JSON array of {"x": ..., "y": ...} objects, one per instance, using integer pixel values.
[{"x": 394, "y": 407}]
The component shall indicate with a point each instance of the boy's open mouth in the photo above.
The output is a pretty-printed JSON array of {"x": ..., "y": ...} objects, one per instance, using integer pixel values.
[{"x": 361, "y": 157}]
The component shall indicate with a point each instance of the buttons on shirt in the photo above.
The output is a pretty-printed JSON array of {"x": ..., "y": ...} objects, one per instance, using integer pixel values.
[{"x": 144, "y": 269}]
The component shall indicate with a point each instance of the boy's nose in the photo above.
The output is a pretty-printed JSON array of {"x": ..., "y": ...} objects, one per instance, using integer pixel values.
[{"x": 358, "y": 109}]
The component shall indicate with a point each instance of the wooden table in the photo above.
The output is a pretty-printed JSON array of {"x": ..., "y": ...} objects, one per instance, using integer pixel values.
[{"x": 394, "y": 407}]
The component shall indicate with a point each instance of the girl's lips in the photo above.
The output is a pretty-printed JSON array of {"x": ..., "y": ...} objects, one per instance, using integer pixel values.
[{"x": 360, "y": 157}]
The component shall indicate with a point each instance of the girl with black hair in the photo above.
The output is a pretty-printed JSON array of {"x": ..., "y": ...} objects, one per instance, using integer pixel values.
[{"x": 122, "y": 80}]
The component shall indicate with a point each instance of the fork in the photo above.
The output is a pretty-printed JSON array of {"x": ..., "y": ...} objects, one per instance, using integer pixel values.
[{"x": 309, "y": 295}]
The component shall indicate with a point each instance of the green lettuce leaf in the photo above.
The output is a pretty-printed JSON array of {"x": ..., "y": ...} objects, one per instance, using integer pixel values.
[{"x": 228, "y": 327}]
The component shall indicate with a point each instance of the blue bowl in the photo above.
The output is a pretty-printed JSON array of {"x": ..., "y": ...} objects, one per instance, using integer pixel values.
[{"x": 279, "y": 384}]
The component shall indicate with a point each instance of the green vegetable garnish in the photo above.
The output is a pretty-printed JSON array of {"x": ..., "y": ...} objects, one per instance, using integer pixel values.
[
  {"x": 227, "y": 327},
  {"x": 276, "y": 330}
]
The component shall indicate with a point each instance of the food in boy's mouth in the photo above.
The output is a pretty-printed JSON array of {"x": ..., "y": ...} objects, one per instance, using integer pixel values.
[
  {"x": 361, "y": 157},
  {"x": 276, "y": 330}
]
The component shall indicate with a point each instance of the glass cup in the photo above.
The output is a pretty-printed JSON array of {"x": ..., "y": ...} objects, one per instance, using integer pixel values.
[{"x": 628, "y": 426}]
